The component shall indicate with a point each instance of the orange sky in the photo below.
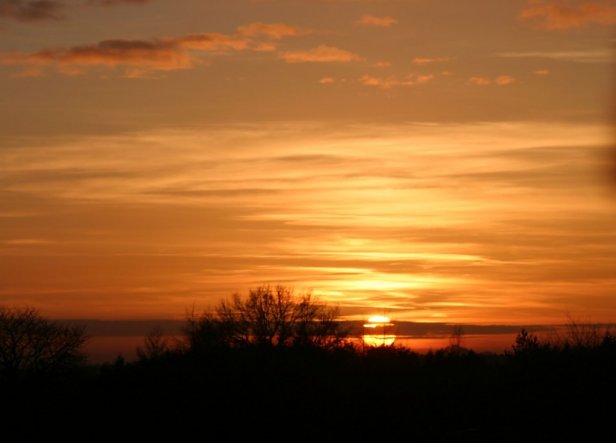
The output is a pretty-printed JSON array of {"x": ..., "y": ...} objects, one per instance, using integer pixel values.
[{"x": 432, "y": 160}]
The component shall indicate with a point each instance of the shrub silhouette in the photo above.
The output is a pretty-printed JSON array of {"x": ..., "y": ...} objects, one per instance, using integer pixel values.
[
  {"x": 527, "y": 342},
  {"x": 268, "y": 317},
  {"x": 33, "y": 345}
]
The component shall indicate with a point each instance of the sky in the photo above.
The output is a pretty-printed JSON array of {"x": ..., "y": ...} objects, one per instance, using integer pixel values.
[{"x": 431, "y": 160}]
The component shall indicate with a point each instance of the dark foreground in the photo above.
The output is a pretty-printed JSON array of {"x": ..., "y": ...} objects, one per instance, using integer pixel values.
[{"x": 535, "y": 392}]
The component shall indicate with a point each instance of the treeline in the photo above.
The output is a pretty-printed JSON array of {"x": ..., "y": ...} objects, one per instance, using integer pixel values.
[{"x": 278, "y": 366}]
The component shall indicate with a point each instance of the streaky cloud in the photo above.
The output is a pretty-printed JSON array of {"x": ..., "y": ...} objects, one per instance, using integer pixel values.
[
  {"x": 376, "y": 21},
  {"x": 598, "y": 55}
]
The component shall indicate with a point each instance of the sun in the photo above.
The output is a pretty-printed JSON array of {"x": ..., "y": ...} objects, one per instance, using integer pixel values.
[
  {"x": 379, "y": 331},
  {"x": 377, "y": 320}
]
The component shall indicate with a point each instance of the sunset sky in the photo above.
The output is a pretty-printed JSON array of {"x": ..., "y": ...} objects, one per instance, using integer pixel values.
[{"x": 432, "y": 160}]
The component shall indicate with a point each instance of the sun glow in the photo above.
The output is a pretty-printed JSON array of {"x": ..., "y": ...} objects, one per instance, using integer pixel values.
[
  {"x": 380, "y": 331},
  {"x": 377, "y": 320}
]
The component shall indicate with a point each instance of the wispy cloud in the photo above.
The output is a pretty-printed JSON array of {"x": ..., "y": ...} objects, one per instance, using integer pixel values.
[
  {"x": 253, "y": 203},
  {"x": 376, "y": 21},
  {"x": 32, "y": 10},
  {"x": 209, "y": 42},
  {"x": 393, "y": 81},
  {"x": 320, "y": 54},
  {"x": 480, "y": 81},
  {"x": 542, "y": 72},
  {"x": 327, "y": 81},
  {"x": 600, "y": 55},
  {"x": 566, "y": 14},
  {"x": 265, "y": 47},
  {"x": 274, "y": 31},
  {"x": 501, "y": 80},
  {"x": 429, "y": 60},
  {"x": 29, "y": 242}
]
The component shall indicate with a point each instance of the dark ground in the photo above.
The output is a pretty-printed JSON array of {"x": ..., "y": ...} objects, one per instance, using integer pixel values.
[{"x": 536, "y": 393}]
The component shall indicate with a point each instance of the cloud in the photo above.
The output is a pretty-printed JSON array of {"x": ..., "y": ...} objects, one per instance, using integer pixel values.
[
  {"x": 428, "y": 60},
  {"x": 274, "y": 31},
  {"x": 265, "y": 47},
  {"x": 382, "y": 82},
  {"x": 327, "y": 81},
  {"x": 139, "y": 58},
  {"x": 118, "y": 2},
  {"x": 421, "y": 79},
  {"x": 375, "y": 21},
  {"x": 28, "y": 242},
  {"x": 211, "y": 42},
  {"x": 501, "y": 80},
  {"x": 320, "y": 54},
  {"x": 41, "y": 10},
  {"x": 31, "y": 11},
  {"x": 566, "y": 14},
  {"x": 240, "y": 212},
  {"x": 393, "y": 81},
  {"x": 542, "y": 72},
  {"x": 479, "y": 81},
  {"x": 601, "y": 55}
]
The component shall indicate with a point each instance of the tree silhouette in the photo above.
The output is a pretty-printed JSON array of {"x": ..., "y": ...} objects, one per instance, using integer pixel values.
[
  {"x": 268, "y": 317},
  {"x": 155, "y": 345},
  {"x": 33, "y": 345}
]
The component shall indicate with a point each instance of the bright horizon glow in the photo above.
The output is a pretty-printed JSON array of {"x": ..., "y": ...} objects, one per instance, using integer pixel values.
[{"x": 481, "y": 263}]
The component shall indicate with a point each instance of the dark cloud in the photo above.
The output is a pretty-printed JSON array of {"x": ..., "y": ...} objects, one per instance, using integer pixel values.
[
  {"x": 138, "y": 58},
  {"x": 118, "y": 2},
  {"x": 31, "y": 11},
  {"x": 43, "y": 10}
]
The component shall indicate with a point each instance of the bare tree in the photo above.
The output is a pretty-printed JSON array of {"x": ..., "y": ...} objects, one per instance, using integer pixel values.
[
  {"x": 580, "y": 334},
  {"x": 31, "y": 344},
  {"x": 155, "y": 345},
  {"x": 269, "y": 317}
]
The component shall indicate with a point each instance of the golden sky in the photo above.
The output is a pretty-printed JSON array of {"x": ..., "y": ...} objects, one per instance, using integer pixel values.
[{"x": 435, "y": 160}]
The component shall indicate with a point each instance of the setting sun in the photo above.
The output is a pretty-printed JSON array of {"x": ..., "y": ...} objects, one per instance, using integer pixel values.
[
  {"x": 378, "y": 320},
  {"x": 379, "y": 331}
]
